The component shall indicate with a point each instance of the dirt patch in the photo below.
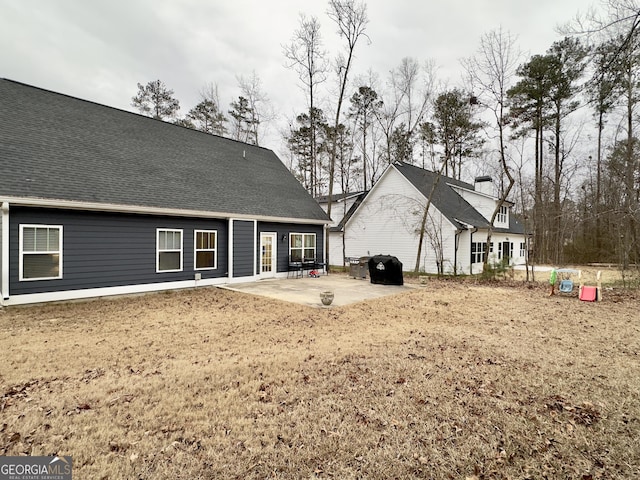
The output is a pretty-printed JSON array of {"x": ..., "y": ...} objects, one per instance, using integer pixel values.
[{"x": 448, "y": 380}]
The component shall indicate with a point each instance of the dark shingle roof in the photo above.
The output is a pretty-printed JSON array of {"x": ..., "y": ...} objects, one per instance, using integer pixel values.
[
  {"x": 337, "y": 197},
  {"x": 455, "y": 208},
  {"x": 515, "y": 226},
  {"x": 350, "y": 212},
  {"x": 57, "y": 147}
]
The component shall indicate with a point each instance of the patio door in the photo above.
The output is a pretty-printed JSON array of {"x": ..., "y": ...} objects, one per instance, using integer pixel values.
[
  {"x": 506, "y": 251},
  {"x": 268, "y": 255}
]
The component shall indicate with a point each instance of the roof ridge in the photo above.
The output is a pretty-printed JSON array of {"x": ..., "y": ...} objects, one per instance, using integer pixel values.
[
  {"x": 16, "y": 82},
  {"x": 431, "y": 172}
]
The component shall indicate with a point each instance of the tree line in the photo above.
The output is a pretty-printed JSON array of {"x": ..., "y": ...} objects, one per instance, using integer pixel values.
[
  {"x": 244, "y": 120},
  {"x": 556, "y": 130}
]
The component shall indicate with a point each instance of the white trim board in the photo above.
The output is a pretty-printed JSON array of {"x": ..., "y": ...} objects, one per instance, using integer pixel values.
[
  {"x": 109, "y": 291},
  {"x": 171, "y": 212}
]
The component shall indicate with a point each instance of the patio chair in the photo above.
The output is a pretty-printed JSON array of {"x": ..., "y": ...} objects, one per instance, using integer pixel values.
[{"x": 294, "y": 269}]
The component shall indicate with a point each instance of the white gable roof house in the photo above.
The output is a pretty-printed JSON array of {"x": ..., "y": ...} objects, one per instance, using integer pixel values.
[{"x": 387, "y": 221}]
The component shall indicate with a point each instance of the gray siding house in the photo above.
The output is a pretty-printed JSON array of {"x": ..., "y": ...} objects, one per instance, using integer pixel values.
[{"x": 98, "y": 201}]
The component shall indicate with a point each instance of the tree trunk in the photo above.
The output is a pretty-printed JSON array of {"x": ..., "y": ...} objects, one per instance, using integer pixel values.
[
  {"x": 425, "y": 216},
  {"x": 557, "y": 208}
]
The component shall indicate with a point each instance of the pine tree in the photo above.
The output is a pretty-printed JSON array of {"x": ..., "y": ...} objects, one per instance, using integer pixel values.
[{"x": 156, "y": 100}]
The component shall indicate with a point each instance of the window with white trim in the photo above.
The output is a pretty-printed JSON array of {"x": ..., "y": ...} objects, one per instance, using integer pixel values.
[
  {"x": 478, "y": 252},
  {"x": 523, "y": 249},
  {"x": 503, "y": 215},
  {"x": 206, "y": 243},
  {"x": 40, "y": 252},
  {"x": 302, "y": 247},
  {"x": 169, "y": 250}
]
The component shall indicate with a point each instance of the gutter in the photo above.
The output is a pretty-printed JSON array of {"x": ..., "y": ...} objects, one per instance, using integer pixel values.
[
  {"x": 173, "y": 212},
  {"x": 455, "y": 252}
]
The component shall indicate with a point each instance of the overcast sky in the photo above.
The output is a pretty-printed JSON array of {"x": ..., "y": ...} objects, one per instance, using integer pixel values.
[{"x": 99, "y": 50}]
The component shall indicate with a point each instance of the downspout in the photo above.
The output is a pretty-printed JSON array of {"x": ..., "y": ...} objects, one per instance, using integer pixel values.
[
  {"x": 325, "y": 242},
  {"x": 4, "y": 252},
  {"x": 230, "y": 251},
  {"x": 473, "y": 230},
  {"x": 455, "y": 253},
  {"x": 256, "y": 241}
]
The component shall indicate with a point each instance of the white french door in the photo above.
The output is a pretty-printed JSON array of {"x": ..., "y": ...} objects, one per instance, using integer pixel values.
[{"x": 268, "y": 255}]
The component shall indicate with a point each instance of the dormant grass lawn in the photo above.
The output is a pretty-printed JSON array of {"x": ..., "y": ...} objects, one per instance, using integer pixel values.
[{"x": 449, "y": 381}]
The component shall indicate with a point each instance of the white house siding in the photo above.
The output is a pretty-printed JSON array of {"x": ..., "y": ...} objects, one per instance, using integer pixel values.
[
  {"x": 464, "y": 253},
  {"x": 388, "y": 222},
  {"x": 446, "y": 233},
  {"x": 514, "y": 240},
  {"x": 497, "y": 238},
  {"x": 454, "y": 260},
  {"x": 482, "y": 203},
  {"x": 338, "y": 210},
  {"x": 335, "y": 248},
  {"x": 486, "y": 205},
  {"x": 334, "y": 214}
]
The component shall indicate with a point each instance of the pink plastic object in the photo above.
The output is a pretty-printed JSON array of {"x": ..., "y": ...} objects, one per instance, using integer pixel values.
[{"x": 589, "y": 294}]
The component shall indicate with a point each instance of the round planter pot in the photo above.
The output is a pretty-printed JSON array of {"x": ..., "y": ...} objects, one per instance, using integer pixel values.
[{"x": 326, "y": 298}]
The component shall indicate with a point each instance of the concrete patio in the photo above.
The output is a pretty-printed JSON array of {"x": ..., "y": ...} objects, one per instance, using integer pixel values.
[{"x": 306, "y": 290}]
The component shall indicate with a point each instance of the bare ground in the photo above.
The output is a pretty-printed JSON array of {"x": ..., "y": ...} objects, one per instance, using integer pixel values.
[{"x": 452, "y": 380}]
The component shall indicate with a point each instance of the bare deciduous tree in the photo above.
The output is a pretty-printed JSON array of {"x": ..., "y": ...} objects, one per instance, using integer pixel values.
[
  {"x": 258, "y": 102},
  {"x": 411, "y": 88},
  {"x": 306, "y": 56},
  {"x": 351, "y": 19},
  {"x": 490, "y": 72}
]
